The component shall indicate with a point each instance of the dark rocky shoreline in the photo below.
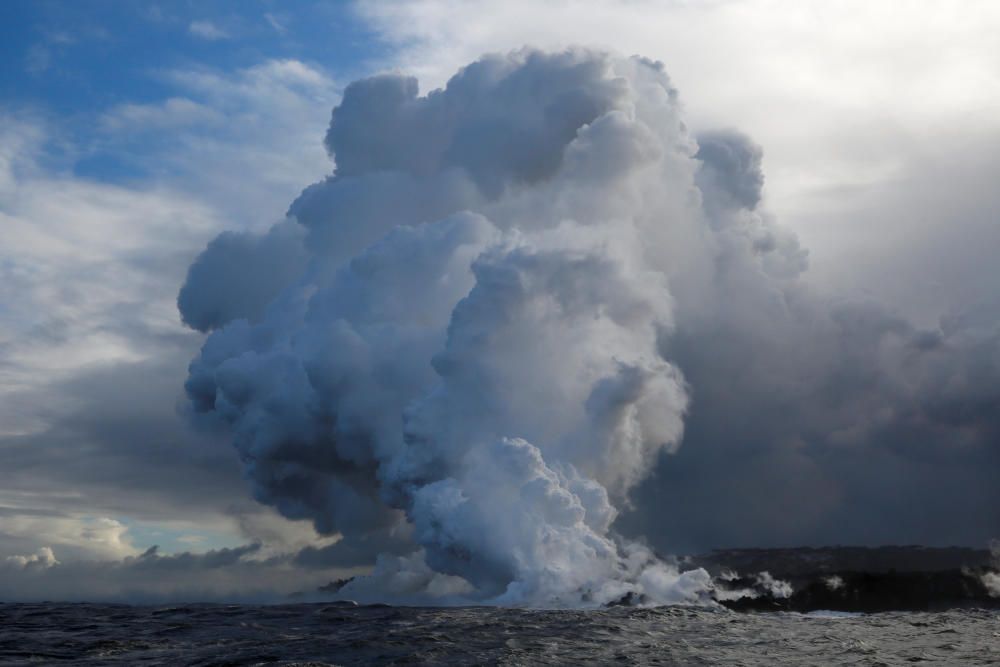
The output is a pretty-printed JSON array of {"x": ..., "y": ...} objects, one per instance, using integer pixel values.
[
  {"x": 871, "y": 592},
  {"x": 844, "y": 579},
  {"x": 851, "y": 579}
]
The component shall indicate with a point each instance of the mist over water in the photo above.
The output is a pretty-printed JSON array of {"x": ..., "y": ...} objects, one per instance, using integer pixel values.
[{"x": 464, "y": 350}]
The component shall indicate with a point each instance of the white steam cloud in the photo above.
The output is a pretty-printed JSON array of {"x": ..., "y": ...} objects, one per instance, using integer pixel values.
[
  {"x": 455, "y": 352},
  {"x": 452, "y": 343},
  {"x": 991, "y": 580}
]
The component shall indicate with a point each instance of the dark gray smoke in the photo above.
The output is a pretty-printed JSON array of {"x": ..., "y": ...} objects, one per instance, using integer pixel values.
[{"x": 471, "y": 344}]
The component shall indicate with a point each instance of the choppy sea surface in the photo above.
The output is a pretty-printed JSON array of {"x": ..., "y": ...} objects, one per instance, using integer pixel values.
[{"x": 331, "y": 634}]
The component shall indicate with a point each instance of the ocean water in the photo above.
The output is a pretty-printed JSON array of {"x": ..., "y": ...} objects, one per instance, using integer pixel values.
[{"x": 334, "y": 634}]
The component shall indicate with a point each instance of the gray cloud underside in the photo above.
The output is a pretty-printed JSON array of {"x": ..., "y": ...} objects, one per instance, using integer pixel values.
[{"x": 144, "y": 461}]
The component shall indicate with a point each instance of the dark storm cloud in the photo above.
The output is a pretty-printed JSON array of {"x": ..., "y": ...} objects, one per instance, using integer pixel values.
[
  {"x": 116, "y": 435},
  {"x": 839, "y": 424},
  {"x": 825, "y": 422}
]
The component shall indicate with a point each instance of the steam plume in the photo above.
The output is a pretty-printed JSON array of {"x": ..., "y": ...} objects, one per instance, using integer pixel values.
[{"x": 459, "y": 352}]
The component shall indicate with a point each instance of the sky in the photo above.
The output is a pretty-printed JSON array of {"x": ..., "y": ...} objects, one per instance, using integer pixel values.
[{"x": 134, "y": 133}]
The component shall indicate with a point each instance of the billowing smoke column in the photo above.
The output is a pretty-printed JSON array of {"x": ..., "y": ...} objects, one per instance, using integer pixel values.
[{"x": 450, "y": 352}]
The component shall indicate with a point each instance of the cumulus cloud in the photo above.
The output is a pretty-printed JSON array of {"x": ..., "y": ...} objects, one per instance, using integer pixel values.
[
  {"x": 43, "y": 559},
  {"x": 515, "y": 294}
]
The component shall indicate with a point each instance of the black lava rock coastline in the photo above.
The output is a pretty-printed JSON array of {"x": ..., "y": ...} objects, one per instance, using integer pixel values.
[{"x": 851, "y": 579}]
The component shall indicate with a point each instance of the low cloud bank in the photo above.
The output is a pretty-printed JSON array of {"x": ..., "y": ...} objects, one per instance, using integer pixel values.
[{"x": 239, "y": 574}]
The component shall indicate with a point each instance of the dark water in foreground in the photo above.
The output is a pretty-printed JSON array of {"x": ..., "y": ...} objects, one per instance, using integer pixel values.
[{"x": 323, "y": 634}]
